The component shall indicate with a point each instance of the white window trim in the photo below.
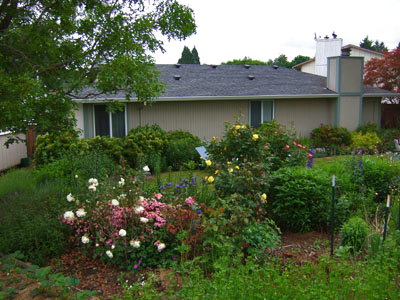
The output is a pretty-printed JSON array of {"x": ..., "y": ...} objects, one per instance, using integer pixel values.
[
  {"x": 110, "y": 120},
  {"x": 262, "y": 109}
]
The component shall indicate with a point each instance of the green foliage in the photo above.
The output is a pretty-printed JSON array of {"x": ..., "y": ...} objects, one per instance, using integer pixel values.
[
  {"x": 368, "y": 127},
  {"x": 259, "y": 237},
  {"x": 354, "y": 234},
  {"x": 332, "y": 138},
  {"x": 111, "y": 146},
  {"x": 50, "y": 52},
  {"x": 368, "y": 142},
  {"x": 387, "y": 136},
  {"x": 366, "y": 43},
  {"x": 299, "y": 198},
  {"x": 181, "y": 149},
  {"x": 245, "y": 61},
  {"x": 29, "y": 218},
  {"x": 188, "y": 57}
]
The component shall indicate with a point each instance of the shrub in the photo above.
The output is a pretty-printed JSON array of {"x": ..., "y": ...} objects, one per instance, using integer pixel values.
[
  {"x": 111, "y": 146},
  {"x": 181, "y": 148},
  {"x": 332, "y": 138},
  {"x": 299, "y": 198},
  {"x": 368, "y": 128},
  {"x": 387, "y": 136},
  {"x": 149, "y": 138},
  {"x": 354, "y": 234},
  {"x": 368, "y": 142}
]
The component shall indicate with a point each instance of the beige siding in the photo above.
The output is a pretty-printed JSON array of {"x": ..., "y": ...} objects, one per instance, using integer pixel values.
[
  {"x": 304, "y": 114},
  {"x": 366, "y": 54},
  {"x": 370, "y": 110},
  {"x": 332, "y": 84},
  {"x": 351, "y": 74},
  {"x": 349, "y": 112},
  {"x": 202, "y": 118},
  {"x": 11, "y": 156},
  {"x": 308, "y": 68}
]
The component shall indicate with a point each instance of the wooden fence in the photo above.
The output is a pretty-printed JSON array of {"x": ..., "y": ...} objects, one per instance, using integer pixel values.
[{"x": 390, "y": 116}]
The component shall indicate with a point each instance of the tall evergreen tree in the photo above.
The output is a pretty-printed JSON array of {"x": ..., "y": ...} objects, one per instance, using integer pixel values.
[
  {"x": 187, "y": 57},
  {"x": 366, "y": 43},
  {"x": 195, "y": 55}
]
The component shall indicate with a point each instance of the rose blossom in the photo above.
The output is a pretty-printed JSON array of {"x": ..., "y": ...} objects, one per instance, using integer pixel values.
[
  {"x": 93, "y": 181},
  {"x": 69, "y": 215},
  {"x": 92, "y": 188},
  {"x": 144, "y": 220},
  {"x": 135, "y": 244},
  {"x": 189, "y": 201},
  {"x": 122, "y": 232},
  {"x": 114, "y": 202},
  {"x": 146, "y": 169},
  {"x": 85, "y": 239},
  {"x": 70, "y": 198},
  {"x": 160, "y": 247},
  {"x": 138, "y": 209},
  {"x": 80, "y": 213},
  {"x": 121, "y": 182},
  {"x": 109, "y": 254}
]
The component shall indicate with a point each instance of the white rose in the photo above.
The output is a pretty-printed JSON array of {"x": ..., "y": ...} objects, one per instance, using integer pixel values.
[
  {"x": 121, "y": 182},
  {"x": 114, "y": 202},
  {"x": 122, "y": 232},
  {"x": 109, "y": 254},
  {"x": 97, "y": 245},
  {"x": 122, "y": 196},
  {"x": 138, "y": 209},
  {"x": 69, "y": 215},
  {"x": 92, "y": 188},
  {"x": 135, "y": 244},
  {"x": 144, "y": 220},
  {"x": 70, "y": 198},
  {"x": 146, "y": 169},
  {"x": 93, "y": 181},
  {"x": 80, "y": 213},
  {"x": 141, "y": 199},
  {"x": 112, "y": 246},
  {"x": 76, "y": 176},
  {"x": 160, "y": 247},
  {"x": 85, "y": 239}
]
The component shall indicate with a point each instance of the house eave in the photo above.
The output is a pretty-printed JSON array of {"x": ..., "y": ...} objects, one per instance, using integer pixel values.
[
  {"x": 212, "y": 98},
  {"x": 381, "y": 95}
]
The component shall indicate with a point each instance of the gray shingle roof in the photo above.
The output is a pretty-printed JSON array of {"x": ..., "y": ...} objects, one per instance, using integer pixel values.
[{"x": 198, "y": 81}]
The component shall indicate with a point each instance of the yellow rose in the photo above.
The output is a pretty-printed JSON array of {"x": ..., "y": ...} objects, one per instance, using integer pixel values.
[
  {"x": 237, "y": 127},
  {"x": 255, "y": 137},
  {"x": 216, "y": 172},
  {"x": 230, "y": 170},
  {"x": 208, "y": 163},
  {"x": 215, "y": 138},
  {"x": 210, "y": 179},
  {"x": 237, "y": 168},
  {"x": 264, "y": 196},
  {"x": 243, "y": 126},
  {"x": 229, "y": 162}
]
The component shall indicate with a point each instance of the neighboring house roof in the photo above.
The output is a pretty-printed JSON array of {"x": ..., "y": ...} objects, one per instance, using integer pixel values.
[{"x": 196, "y": 82}]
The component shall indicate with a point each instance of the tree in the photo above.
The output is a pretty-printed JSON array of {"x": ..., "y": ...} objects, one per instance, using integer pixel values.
[
  {"x": 298, "y": 60},
  {"x": 195, "y": 55},
  {"x": 384, "y": 73},
  {"x": 281, "y": 61},
  {"x": 188, "y": 57},
  {"x": 50, "y": 51},
  {"x": 366, "y": 43},
  {"x": 245, "y": 61}
]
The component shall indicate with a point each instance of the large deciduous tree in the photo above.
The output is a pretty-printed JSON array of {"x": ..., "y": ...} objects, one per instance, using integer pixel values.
[
  {"x": 52, "y": 50},
  {"x": 384, "y": 73}
]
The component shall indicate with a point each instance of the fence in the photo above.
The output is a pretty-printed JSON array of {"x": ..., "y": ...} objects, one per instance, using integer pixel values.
[
  {"x": 390, "y": 115},
  {"x": 11, "y": 156}
]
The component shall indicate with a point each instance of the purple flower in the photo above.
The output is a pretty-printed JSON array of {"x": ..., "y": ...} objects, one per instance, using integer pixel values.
[
  {"x": 199, "y": 211},
  {"x": 174, "y": 258},
  {"x": 162, "y": 187},
  {"x": 169, "y": 184},
  {"x": 139, "y": 261},
  {"x": 135, "y": 267}
]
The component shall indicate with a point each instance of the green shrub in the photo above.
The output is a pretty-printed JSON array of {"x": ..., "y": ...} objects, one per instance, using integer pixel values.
[
  {"x": 368, "y": 142},
  {"x": 111, "y": 146},
  {"x": 354, "y": 234},
  {"x": 368, "y": 128},
  {"x": 387, "y": 136},
  {"x": 299, "y": 198},
  {"x": 181, "y": 148},
  {"x": 332, "y": 138},
  {"x": 50, "y": 147},
  {"x": 260, "y": 237},
  {"x": 149, "y": 138}
]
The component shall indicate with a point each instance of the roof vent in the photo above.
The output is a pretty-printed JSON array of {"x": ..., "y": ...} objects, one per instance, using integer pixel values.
[
  {"x": 275, "y": 67},
  {"x": 177, "y": 77},
  {"x": 251, "y": 77},
  {"x": 177, "y": 66},
  {"x": 246, "y": 66},
  {"x": 346, "y": 52},
  {"x": 214, "y": 66}
]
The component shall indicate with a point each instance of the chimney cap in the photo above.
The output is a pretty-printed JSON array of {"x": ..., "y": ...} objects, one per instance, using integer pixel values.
[{"x": 346, "y": 52}]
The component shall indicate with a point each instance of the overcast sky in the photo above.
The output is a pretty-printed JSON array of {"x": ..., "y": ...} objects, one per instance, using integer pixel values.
[{"x": 263, "y": 29}]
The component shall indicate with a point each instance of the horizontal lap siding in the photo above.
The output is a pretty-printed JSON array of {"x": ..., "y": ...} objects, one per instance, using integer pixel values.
[
  {"x": 11, "y": 156},
  {"x": 370, "y": 110},
  {"x": 304, "y": 114},
  {"x": 204, "y": 119}
]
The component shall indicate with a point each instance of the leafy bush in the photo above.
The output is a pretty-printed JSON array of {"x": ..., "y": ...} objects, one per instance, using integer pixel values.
[
  {"x": 259, "y": 237},
  {"x": 387, "y": 136},
  {"x": 354, "y": 234},
  {"x": 332, "y": 138},
  {"x": 111, "y": 146},
  {"x": 149, "y": 138},
  {"x": 50, "y": 147},
  {"x": 299, "y": 198},
  {"x": 368, "y": 142},
  {"x": 368, "y": 128},
  {"x": 181, "y": 148}
]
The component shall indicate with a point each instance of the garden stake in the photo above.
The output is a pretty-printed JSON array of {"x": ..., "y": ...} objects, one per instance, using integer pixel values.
[
  {"x": 386, "y": 217},
  {"x": 333, "y": 213}
]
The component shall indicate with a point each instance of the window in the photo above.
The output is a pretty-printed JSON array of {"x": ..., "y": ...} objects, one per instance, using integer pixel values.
[
  {"x": 260, "y": 112},
  {"x": 109, "y": 124}
]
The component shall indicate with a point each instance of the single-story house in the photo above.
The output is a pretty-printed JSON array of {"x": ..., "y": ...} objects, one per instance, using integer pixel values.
[{"x": 201, "y": 98}]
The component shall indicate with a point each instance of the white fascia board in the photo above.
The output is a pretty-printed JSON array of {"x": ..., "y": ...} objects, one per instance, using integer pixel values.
[{"x": 381, "y": 95}]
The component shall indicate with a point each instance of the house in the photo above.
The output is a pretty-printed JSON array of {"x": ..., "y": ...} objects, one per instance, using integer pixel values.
[
  {"x": 201, "y": 98},
  {"x": 327, "y": 47},
  {"x": 11, "y": 156}
]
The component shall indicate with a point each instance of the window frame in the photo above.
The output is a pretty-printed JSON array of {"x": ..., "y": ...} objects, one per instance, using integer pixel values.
[
  {"x": 110, "y": 128},
  {"x": 262, "y": 109}
]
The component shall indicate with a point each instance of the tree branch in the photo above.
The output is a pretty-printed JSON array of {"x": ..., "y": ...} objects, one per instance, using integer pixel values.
[{"x": 5, "y": 23}]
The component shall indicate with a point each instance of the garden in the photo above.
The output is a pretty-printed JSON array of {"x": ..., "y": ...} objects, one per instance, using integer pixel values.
[{"x": 145, "y": 217}]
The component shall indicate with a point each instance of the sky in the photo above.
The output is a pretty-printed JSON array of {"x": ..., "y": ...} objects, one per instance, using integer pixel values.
[{"x": 264, "y": 29}]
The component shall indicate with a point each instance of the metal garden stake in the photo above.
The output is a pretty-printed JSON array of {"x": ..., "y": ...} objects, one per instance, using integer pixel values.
[
  {"x": 333, "y": 213},
  {"x": 386, "y": 217}
]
